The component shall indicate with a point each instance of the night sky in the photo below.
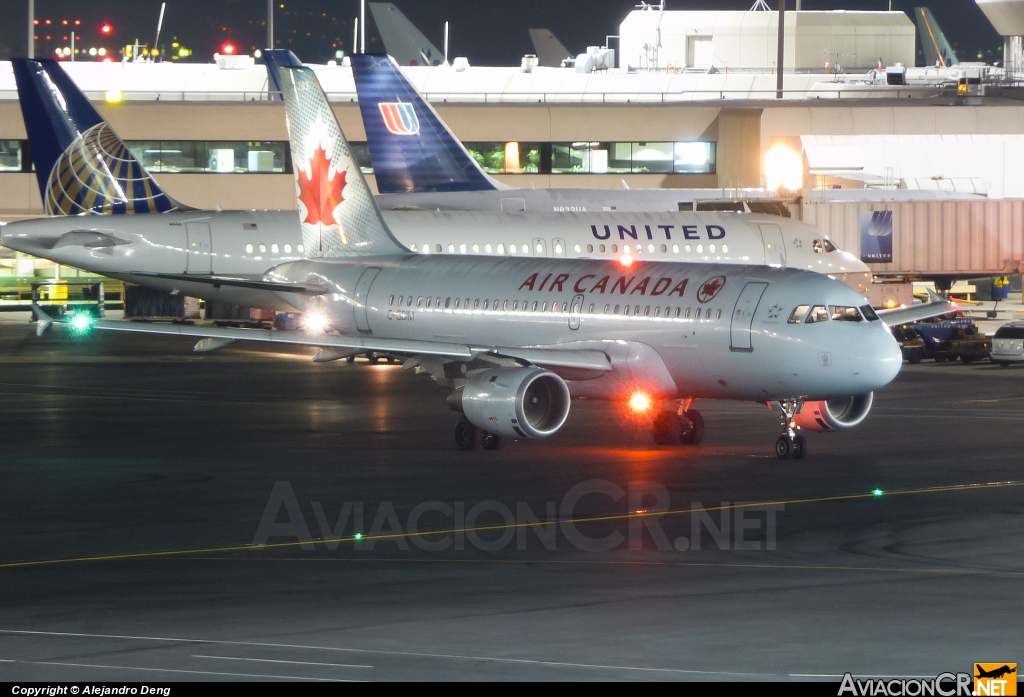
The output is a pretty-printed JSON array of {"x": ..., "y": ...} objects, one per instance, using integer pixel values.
[{"x": 488, "y": 32}]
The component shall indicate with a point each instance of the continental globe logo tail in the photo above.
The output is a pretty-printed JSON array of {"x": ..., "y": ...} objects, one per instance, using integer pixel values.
[{"x": 98, "y": 174}]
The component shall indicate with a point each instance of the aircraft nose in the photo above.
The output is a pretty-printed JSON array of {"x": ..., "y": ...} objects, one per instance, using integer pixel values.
[{"x": 878, "y": 357}]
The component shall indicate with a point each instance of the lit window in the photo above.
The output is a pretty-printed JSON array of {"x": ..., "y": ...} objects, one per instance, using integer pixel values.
[
  {"x": 476, "y": 249},
  {"x": 540, "y": 248},
  {"x": 458, "y": 301},
  {"x": 688, "y": 249},
  {"x": 544, "y": 308},
  {"x": 487, "y": 304},
  {"x": 300, "y": 249},
  {"x": 487, "y": 248},
  {"x": 725, "y": 249},
  {"x": 558, "y": 249},
  {"x": 419, "y": 301},
  {"x": 700, "y": 249},
  {"x": 578, "y": 248},
  {"x": 504, "y": 305},
  {"x": 534, "y": 305},
  {"x": 675, "y": 249},
  {"x": 818, "y": 314},
  {"x": 711, "y": 248},
  {"x": 451, "y": 249},
  {"x": 414, "y": 248},
  {"x": 501, "y": 249},
  {"x": 248, "y": 249},
  {"x": 263, "y": 248},
  {"x": 462, "y": 249},
  {"x": 400, "y": 297},
  {"x": 511, "y": 249},
  {"x": 650, "y": 248},
  {"x": 429, "y": 303},
  {"x": 391, "y": 301},
  {"x": 288, "y": 249},
  {"x": 640, "y": 248},
  {"x": 426, "y": 249},
  {"x": 273, "y": 248}
]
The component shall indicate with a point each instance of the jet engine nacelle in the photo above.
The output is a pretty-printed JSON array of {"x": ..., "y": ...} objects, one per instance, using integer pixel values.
[
  {"x": 835, "y": 414},
  {"x": 514, "y": 402}
]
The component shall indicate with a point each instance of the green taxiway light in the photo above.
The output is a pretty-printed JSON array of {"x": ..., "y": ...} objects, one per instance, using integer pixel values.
[
  {"x": 359, "y": 536},
  {"x": 877, "y": 492},
  {"x": 81, "y": 323}
]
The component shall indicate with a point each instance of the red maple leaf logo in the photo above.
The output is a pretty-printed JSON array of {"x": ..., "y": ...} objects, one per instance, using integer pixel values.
[
  {"x": 710, "y": 289},
  {"x": 321, "y": 193}
]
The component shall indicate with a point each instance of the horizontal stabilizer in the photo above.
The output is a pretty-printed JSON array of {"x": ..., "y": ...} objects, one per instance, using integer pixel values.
[{"x": 217, "y": 281}]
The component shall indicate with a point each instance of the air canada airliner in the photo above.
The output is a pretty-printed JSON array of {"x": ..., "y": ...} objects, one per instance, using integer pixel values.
[
  {"x": 515, "y": 337},
  {"x": 83, "y": 167}
]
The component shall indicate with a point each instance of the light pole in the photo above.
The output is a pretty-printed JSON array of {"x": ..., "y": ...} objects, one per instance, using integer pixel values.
[
  {"x": 782, "y": 48},
  {"x": 31, "y": 28},
  {"x": 270, "y": 24}
]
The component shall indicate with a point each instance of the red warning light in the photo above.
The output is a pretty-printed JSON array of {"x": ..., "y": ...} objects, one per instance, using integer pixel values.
[
  {"x": 35, "y": 21},
  {"x": 64, "y": 22},
  {"x": 106, "y": 28},
  {"x": 78, "y": 22},
  {"x": 227, "y": 49},
  {"x": 47, "y": 22}
]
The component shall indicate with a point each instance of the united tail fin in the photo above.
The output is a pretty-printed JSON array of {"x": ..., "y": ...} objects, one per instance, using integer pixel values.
[
  {"x": 401, "y": 37},
  {"x": 933, "y": 41},
  {"x": 550, "y": 51},
  {"x": 336, "y": 208},
  {"x": 82, "y": 166},
  {"x": 411, "y": 147}
]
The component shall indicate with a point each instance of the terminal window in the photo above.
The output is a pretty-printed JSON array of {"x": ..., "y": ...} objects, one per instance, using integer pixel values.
[
  {"x": 633, "y": 158},
  {"x": 10, "y": 156},
  {"x": 225, "y": 157}
]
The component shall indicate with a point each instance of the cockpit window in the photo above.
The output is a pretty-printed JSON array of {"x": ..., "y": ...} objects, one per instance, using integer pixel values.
[
  {"x": 819, "y": 313},
  {"x": 798, "y": 314},
  {"x": 829, "y": 247},
  {"x": 869, "y": 313},
  {"x": 845, "y": 314},
  {"x": 818, "y": 247}
]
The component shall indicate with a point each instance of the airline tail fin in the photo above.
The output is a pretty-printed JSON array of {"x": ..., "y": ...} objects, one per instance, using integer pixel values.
[
  {"x": 933, "y": 41},
  {"x": 275, "y": 59},
  {"x": 411, "y": 147},
  {"x": 401, "y": 37},
  {"x": 82, "y": 166},
  {"x": 550, "y": 51},
  {"x": 336, "y": 208}
]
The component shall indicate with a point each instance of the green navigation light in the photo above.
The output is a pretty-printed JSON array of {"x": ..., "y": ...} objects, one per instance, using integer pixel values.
[
  {"x": 359, "y": 536},
  {"x": 81, "y": 323},
  {"x": 877, "y": 492}
]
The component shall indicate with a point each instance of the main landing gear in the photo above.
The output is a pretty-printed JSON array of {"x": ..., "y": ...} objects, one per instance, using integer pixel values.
[
  {"x": 465, "y": 437},
  {"x": 790, "y": 444},
  {"x": 685, "y": 425}
]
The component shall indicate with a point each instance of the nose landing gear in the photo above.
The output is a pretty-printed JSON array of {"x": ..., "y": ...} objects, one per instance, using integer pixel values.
[
  {"x": 790, "y": 444},
  {"x": 685, "y": 426}
]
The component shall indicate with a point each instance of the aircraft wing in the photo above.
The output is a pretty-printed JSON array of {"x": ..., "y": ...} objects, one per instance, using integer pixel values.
[
  {"x": 936, "y": 307},
  {"x": 217, "y": 281},
  {"x": 580, "y": 359}
]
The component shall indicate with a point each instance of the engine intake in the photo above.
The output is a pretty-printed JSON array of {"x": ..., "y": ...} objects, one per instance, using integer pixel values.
[
  {"x": 514, "y": 402},
  {"x": 835, "y": 414}
]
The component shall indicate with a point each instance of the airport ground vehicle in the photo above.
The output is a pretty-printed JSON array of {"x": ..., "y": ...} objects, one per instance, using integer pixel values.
[
  {"x": 1008, "y": 344},
  {"x": 938, "y": 337},
  {"x": 970, "y": 345},
  {"x": 911, "y": 343}
]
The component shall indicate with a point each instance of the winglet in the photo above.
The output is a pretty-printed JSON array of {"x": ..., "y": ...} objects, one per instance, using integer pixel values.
[{"x": 411, "y": 147}]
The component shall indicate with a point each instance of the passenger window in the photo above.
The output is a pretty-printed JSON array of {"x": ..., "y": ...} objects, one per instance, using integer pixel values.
[
  {"x": 688, "y": 249},
  {"x": 647, "y": 311},
  {"x": 458, "y": 301},
  {"x": 476, "y": 304},
  {"x": 534, "y": 305},
  {"x": 700, "y": 249},
  {"x": 591, "y": 308},
  {"x": 602, "y": 247},
  {"x": 399, "y": 300},
  {"x": 711, "y": 248},
  {"x": 511, "y": 249},
  {"x": 657, "y": 312},
  {"x": 818, "y": 314},
  {"x": 451, "y": 249},
  {"x": 664, "y": 248},
  {"x": 391, "y": 301},
  {"x": 590, "y": 248},
  {"x": 615, "y": 248},
  {"x": 707, "y": 315},
  {"x": 263, "y": 248},
  {"x": 419, "y": 301},
  {"x": 845, "y": 314},
  {"x": 288, "y": 249},
  {"x": 725, "y": 249},
  {"x": 578, "y": 248},
  {"x": 438, "y": 249},
  {"x": 487, "y": 248},
  {"x": 687, "y": 313},
  {"x": 504, "y": 305},
  {"x": 248, "y": 249},
  {"x": 300, "y": 249},
  {"x": 438, "y": 303},
  {"x": 675, "y": 249},
  {"x": 718, "y": 315},
  {"x": 501, "y": 249},
  {"x": 515, "y": 304},
  {"x": 678, "y": 310},
  {"x": 798, "y": 314},
  {"x": 476, "y": 249},
  {"x": 565, "y": 307},
  {"x": 428, "y": 301},
  {"x": 606, "y": 308},
  {"x": 616, "y": 310},
  {"x": 544, "y": 308},
  {"x": 447, "y": 303}
]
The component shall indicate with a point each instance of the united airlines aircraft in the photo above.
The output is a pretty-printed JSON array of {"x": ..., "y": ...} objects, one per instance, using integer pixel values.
[{"x": 516, "y": 337}]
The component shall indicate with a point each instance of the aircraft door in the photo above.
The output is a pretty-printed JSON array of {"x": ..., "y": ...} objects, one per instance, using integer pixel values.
[
  {"x": 540, "y": 249},
  {"x": 774, "y": 247},
  {"x": 200, "y": 248},
  {"x": 558, "y": 248},
  {"x": 743, "y": 316},
  {"x": 575, "y": 310},
  {"x": 360, "y": 299}
]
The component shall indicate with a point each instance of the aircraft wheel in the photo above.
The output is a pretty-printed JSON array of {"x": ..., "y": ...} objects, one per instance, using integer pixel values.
[
  {"x": 799, "y": 448},
  {"x": 1005, "y": 364},
  {"x": 666, "y": 428},
  {"x": 372, "y": 358},
  {"x": 783, "y": 447},
  {"x": 940, "y": 358},
  {"x": 350, "y": 359},
  {"x": 967, "y": 359},
  {"x": 465, "y": 434},
  {"x": 914, "y": 357},
  {"x": 490, "y": 441},
  {"x": 695, "y": 434}
]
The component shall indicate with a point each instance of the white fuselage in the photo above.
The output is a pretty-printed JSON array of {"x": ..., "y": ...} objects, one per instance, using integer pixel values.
[
  {"x": 693, "y": 330},
  {"x": 248, "y": 243}
]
